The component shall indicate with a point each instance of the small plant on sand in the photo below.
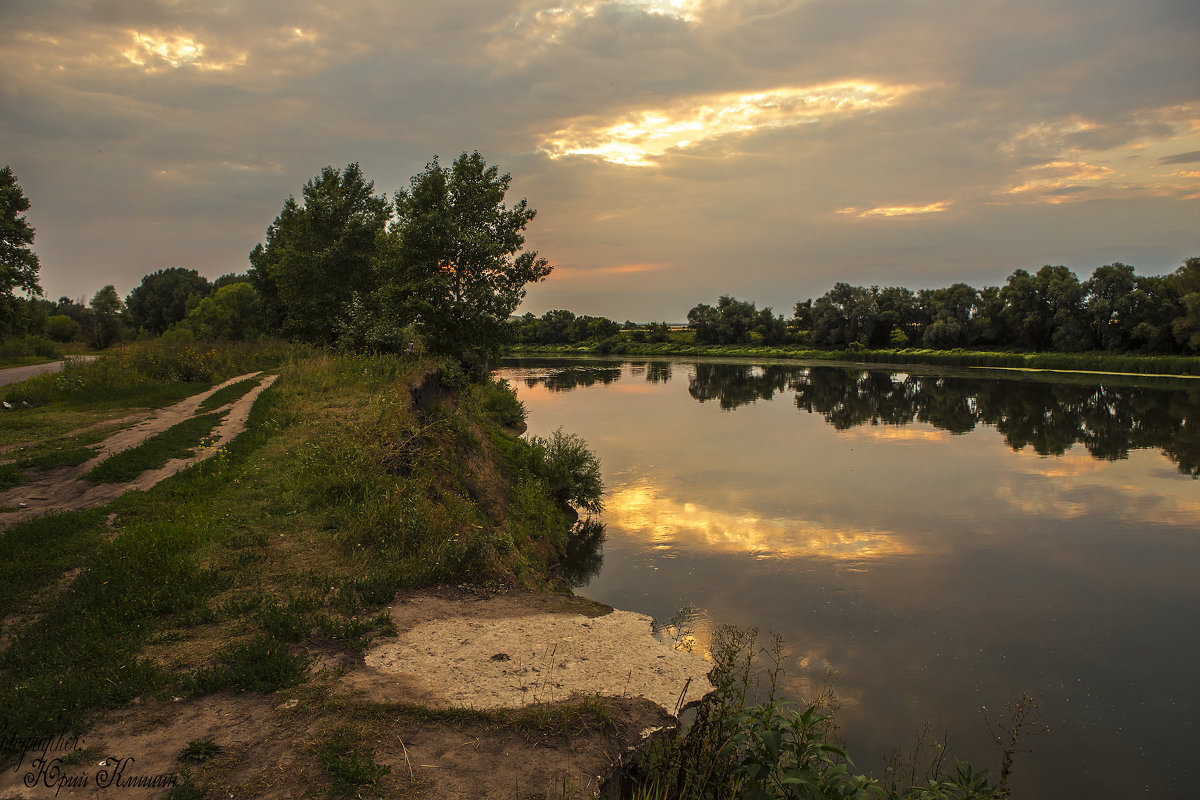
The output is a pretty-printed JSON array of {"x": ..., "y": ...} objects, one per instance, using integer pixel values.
[
  {"x": 198, "y": 751},
  {"x": 349, "y": 763}
]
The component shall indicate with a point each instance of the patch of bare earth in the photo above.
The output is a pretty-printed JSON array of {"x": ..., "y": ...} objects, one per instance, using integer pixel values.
[
  {"x": 63, "y": 489},
  {"x": 407, "y": 699}
]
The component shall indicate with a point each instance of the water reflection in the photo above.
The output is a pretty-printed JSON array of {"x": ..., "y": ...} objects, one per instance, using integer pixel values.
[
  {"x": 939, "y": 539},
  {"x": 1050, "y": 417},
  {"x": 646, "y": 510},
  {"x": 585, "y": 552}
]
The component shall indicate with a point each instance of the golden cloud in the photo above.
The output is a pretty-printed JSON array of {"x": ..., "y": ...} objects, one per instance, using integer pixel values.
[
  {"x": 1116, "y": 159},
  {"x": 1060, "y": 175},
  {"x": 666, "y": 521},
  {"x": 636, "y": 138},
  {"x": 153, "y": 51},
  {"x": 897, "y": 211},
  {"x": 897, "y": 433}
]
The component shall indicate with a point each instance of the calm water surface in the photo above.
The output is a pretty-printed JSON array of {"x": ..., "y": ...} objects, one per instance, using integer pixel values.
[{"x": 941, "y": 541}]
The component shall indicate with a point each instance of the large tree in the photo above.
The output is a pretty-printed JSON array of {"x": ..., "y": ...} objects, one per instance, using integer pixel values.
[
  {"x": 19, "y": 265},
  {"x": 319, "y": 255},
  {"x": 162, "y": 298},
  {"x": 454, "y": 260}
]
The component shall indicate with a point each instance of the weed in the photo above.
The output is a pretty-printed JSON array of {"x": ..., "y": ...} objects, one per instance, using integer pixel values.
[
  {"x": 83, "y": 755},
  {"x": 500, "y": 402},
  {"x": 772, "y": 751},
  {"x": 198, "y": 751},
  {"x": 186, "y": 789},
  {"x": 10, "y": 476},
  {"x": 349, "y": 763},
  {"x": 264, "y": 664}
]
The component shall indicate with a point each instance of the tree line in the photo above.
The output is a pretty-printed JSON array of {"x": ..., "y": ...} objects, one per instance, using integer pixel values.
[
  {"x": 442, "y": 263},
  {"x": 1050, "y": 310}
]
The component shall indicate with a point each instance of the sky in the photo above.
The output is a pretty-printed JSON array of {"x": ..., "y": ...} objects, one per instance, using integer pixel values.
[{"x": 676, "y": 150}]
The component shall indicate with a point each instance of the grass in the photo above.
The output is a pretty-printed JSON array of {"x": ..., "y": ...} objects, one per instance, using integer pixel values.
[
  {"x": 178, "y": 441},
  {"x": 10, "y": 476},
  {"x": 228, "y": 394},
  {"x": 291, "y": 538},
  {"x": 22, "y": 351},
  {"x": 147, "y": 373},
  {"x": 348, "y": 762},
  {"x": 34, "y": 554}
]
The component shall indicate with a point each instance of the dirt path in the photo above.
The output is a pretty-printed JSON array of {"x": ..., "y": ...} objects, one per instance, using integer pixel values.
[{"x": 63, "y": 489}]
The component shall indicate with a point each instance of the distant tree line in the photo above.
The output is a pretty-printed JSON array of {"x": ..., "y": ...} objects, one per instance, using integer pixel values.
[
  {"x": 563, "y": 327},
  {"x": 1050, "y": 310}
]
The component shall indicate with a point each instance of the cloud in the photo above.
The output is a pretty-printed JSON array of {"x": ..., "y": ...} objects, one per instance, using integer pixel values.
[
  {"x": 719, "y": 136},
  {"x": 897, "y": 211},
  {"x": 1181, "y": 158},
  {"x": 638, "y": 138}
]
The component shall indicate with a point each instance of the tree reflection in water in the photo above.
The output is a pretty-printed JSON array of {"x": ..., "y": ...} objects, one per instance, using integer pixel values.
[
  {"x": 1049, "y": 416},
  {"x": 585, "y": 552},
  {"x": 1108, "y": 418}
]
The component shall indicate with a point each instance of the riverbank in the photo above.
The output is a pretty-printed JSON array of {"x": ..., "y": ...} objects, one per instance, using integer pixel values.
[
  {"x": 259, "y": 624},
  {"x": 1101, "y": 363}
]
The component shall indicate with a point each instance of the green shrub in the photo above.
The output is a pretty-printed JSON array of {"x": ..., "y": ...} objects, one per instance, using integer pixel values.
[
  {"x": 571, "y": 471},
  {"x": 500, "y": 402}
]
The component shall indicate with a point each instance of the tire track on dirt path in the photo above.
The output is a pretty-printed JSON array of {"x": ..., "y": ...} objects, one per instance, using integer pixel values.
[{"x": 63, "y": 489}]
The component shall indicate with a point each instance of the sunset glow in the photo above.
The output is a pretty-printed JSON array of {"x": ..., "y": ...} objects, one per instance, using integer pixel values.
[{"x": 639, "y": 137}]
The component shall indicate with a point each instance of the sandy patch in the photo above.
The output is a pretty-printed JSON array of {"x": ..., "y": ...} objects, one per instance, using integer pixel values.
[{"x": 475, "y": 659}]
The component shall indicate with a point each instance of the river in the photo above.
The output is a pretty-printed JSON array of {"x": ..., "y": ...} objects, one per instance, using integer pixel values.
[{"x": 932, "y": 542}]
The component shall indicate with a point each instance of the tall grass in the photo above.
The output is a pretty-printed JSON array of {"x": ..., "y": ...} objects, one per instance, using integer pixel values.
[
  {"x": 149, "y": 371},
  {"x": 772, "y": 750},
  {"x": 16, "y": 351}
]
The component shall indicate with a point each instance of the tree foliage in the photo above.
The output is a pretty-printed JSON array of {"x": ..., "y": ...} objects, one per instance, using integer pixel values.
[
  {"x": 454, "y": 256},
  {"x": 165, "y": 297},
  {"x": 735, "y": 321},
  {"x": 19, "y": 265},
  {"x": 104, "y": 321},
  {"x": 319, "y": 254}
]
